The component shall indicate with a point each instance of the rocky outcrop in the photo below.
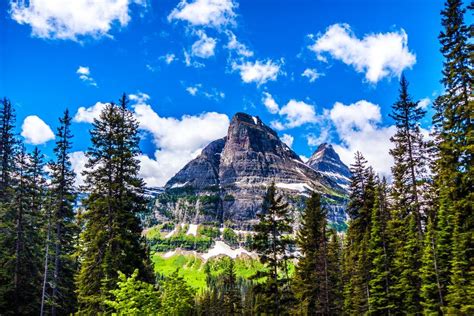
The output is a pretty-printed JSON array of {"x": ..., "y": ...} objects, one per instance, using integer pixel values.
[
  {"x": 228, "y": 180},
  {"x": 327, "y": 161}
]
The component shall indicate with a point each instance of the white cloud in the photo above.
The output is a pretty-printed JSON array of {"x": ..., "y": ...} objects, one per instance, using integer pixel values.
[
  {"x": 311, "y": 74},
  {"x": 53, "y": 19},
  {"x": 177, "y": 140},
  {"x": 287, "y": 139},
  {"x": 314, "y": 140},
  {"x": 359, "y": 128},
  {"x": 192, "y": 90},
  {"x": 204, "y": 46},
  {"x": 212, "y": 13},
  {"x": 78, "y": 163},
  {"x": 297, "y": 113},
  {"x": 213, "y": 94},
  {"x": 377, "y": 55},
  {"x": 85, "y": 75},
  {"x": 168, "y": 58},
  {"x": 87, "y": 115},
  {"x": 270, "y": 103},
  {"x": 237, "y": 46},
  {"x": 258, "y": 72},
  {"x": 424, "y": 103},
  {"x": 191, "y": 63},
  {"x": 36, "y": 131}
]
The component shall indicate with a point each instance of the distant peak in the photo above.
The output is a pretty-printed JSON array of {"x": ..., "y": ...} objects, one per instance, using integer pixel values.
[{"x": 244, "y": 117}]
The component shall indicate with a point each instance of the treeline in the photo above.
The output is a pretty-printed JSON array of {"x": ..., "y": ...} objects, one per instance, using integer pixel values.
[{"x": 59, "y": 257}]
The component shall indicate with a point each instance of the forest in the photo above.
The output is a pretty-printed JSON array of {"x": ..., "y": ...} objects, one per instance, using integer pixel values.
[{"x": 408, "y": 248}]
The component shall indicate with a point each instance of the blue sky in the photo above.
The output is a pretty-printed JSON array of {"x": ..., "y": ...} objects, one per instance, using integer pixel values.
[{"x": 314, "y": 70}]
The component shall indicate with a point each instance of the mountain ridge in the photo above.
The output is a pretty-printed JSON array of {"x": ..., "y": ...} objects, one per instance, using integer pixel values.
[{"x": 228, "y": 180}]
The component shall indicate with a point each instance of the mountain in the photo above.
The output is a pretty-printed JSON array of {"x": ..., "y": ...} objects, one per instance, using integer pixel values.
[
  {"x": 327, "y": 161},
  {"x": 227, "y": 181}
]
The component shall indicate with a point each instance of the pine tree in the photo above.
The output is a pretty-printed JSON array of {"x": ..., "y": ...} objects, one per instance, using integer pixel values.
[
  {"x": 62, "y": 199},
  {"x": 380, "y": 255},
  {"x": 454, "y": 137},
  {"x": 409, "y": 154},
  {"x": 8, "y": 144},
  {"x": 431, "y": 288},
  {"x": 405, "y": 268},
  {"x": 111, "y": 240},
  {"x": 8, "y": 149},
  {"x": 177, "y": 297},
  {"x": 311, "y": 285},
  {"x": 357, "y": 265},
  {"x": 232, "y": 300},
  {"x": 334, "y": 256},
  {"x": 271, "y": 241},
  {"x": 25, "y": 254}
]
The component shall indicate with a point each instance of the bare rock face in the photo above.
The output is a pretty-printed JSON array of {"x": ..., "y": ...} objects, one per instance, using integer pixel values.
[
  {"x": 327, "y": 161},
  {"x": 228, "y": 180}
]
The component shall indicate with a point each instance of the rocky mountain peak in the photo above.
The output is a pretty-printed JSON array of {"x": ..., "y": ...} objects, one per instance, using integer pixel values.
[
  {"x": 326, "y": 160},
  {"x": 228, "y": 180}
]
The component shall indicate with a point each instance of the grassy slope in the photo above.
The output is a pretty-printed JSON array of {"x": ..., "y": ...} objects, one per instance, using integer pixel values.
[{"x": 192, "y": 268}]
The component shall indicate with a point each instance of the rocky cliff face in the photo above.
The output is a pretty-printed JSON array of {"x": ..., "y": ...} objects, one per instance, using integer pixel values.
[
  {"x": 327, "y": 161},
  {"x": 228, "y": 180}
]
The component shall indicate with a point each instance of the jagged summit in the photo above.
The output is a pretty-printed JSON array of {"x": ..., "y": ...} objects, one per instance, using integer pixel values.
[
  {"x": 327, "y": 161},
  {"x": 231, "y": 176}
]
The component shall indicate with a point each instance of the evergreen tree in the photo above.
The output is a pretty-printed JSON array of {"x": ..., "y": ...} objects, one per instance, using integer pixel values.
[
  {"x": 334, "y": 258},
  {"x": 379, "y": 255},
  {"x": 24, "y": 255},
  {"x": 406, "y": 282},
  {"x": 232, "y": 300},
  {"x": 311, "y": 285},
  {"x": 8, "y": 144},
  {"x": 62, "y": 198},
  {"x": 454, "y": 137},
  {"x": 357, "y": 265},
  {"x": 8, "y": 148},
  {"x": 431, "y": 289},
  {"x": 409, "y": 153},
  {"x": 177, "y": 297},
  {"x": 111, "y": 240},
  {"x": 272, "y": 241}
]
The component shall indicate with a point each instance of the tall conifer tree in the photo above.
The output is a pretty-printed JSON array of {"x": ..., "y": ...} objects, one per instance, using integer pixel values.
[
  {"x": 62, "y": 197},
  {"x": 111, "y": 240},
  {"x": 272, "y": 243}
]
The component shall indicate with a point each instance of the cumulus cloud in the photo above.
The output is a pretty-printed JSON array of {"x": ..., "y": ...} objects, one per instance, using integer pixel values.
[
  {"x": 359, "y": 128},
  {"x": 36, "y": 131},
  {"x": 316, "y": 140},
  {"x": 270, "y": 103},
  {"x": 287, "y": 139},
  {"x": 295, "y": 113},
  {"x": 168, "y": 58},
  {"x": 204, "y": 46},
  {"x": 85, "y": 75},
  {"x": 211, "y": 13},
  {"x": 424, "y": 103},
  {"x": 189, "y": 62},
  {"x": 258, "y": 71},
  {"x": 311, "y": 74},
  {"x": 78, "y": 163},
  {"x": 53, "y": 19},
  {"x": 87, "y": 115},
  {"x": 177, "y": 140},
  {"x": 377, "y": 55},
  {"x": 238, "y": 47}
]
